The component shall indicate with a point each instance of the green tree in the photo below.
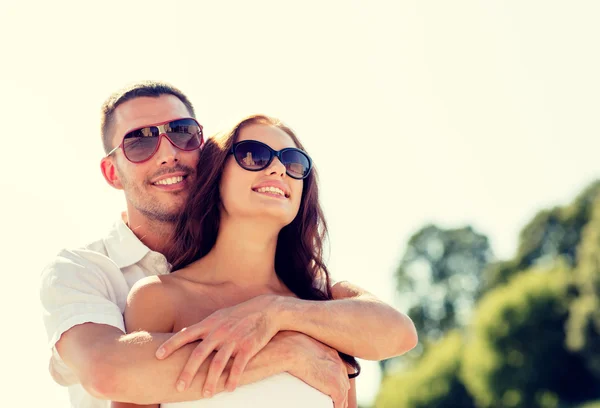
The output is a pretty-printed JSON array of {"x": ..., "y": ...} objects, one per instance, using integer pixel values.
[
  {"x": 433, "y": 382},
  {"x": 552, "y": 234},
  {"x": 439, "y": 277},
  {"x": 517, "y": 356},
  {"x": 583, "y": 329}
]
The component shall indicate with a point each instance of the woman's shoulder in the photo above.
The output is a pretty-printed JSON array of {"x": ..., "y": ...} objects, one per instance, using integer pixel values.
[
  {"x": 150, "y": 304},
  {"x": 151, "y": 286}
]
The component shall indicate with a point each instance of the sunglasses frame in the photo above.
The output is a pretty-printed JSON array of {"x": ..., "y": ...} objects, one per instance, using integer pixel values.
[
  {"x": 274, "y": 153},
  {"x": 162, "y": 131}
]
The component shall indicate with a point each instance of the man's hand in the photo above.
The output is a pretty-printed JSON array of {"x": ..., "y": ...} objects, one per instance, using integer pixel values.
[
  {"x": 239, "y": 331},
  {"x": 316, "y": 364}
]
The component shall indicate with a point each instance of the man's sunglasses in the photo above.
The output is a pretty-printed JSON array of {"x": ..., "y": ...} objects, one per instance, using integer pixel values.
[
  {"x": 141, "y": 144},
  {"x": 253, "y": 155}
]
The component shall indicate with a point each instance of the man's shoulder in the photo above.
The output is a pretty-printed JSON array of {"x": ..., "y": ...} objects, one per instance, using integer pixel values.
[
  {"x": 91, "y": 258},
  {"x": 92, "y": 253}
]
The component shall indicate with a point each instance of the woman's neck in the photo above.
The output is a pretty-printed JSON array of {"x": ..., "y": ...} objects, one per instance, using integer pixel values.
[{"x": 244, "y": 254}]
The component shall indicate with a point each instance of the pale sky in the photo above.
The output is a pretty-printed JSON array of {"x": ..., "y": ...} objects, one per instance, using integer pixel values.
[{"x": 457, "y": 113}]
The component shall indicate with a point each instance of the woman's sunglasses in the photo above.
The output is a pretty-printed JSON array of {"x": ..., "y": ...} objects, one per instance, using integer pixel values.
[
  {"x": 141, "y": 144},
  {"x": 253, "y": 155}
]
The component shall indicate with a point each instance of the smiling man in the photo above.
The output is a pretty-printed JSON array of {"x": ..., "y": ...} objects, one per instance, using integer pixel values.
[
  {"x": 152, "y": 142},
  {"x": 155, "y": 176}
]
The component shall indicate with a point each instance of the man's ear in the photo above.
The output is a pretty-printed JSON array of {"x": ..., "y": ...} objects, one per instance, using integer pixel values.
[{"x": 109, "y": 171}]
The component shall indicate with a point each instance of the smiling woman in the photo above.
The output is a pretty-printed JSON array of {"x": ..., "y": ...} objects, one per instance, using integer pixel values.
[
  {"x": 252, "y": 227},
  {"x": 247, "y": 256}
]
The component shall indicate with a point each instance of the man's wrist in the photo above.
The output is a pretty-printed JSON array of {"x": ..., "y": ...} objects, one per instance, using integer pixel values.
[
  {"x": 286, "y": 352},
  {"x": 285, "y": 311},
  {"x": 273, "y": 309}
]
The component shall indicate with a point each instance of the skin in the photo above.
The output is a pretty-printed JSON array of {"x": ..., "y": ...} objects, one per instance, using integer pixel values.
[
  {"x": 151, "y": 209},
  {"x": 248, "y": 236},
  {"x": 249, "y": 226},
  {"x": 111, "y": 365},
  {"x": 114, "y": 366}
]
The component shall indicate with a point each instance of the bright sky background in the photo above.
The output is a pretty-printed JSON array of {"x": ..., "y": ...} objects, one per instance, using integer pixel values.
[{"x": 457, "y": 113}]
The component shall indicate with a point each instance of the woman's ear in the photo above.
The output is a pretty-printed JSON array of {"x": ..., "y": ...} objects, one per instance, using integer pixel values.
[{"x": 109, "y": 171}]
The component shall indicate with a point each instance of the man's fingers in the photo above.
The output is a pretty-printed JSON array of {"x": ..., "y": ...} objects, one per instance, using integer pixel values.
[
  {"x": 216, "y": 368},
  {"x": 338, "y": 401},
  {"x": 235, "y": 374},
  {"x": 346, "y": 390},
  {"x": 180, "y": 339},
  {"x": 200, "y": 353}
]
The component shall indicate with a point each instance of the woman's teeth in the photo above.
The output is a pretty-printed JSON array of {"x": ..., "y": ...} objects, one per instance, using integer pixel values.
[
  {"x": 170, "y": 180},
  {"x": 274, "y": 190}
]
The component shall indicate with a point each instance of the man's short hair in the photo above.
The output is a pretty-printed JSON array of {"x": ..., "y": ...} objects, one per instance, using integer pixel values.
[{"x": 152, "y": 89}]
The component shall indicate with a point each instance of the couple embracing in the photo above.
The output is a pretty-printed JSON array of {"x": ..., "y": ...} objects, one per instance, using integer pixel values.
[{"x": 211, "y": 290}]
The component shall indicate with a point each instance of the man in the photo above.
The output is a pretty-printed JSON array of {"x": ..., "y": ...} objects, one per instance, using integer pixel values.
[{"x": 84, "y": 291}]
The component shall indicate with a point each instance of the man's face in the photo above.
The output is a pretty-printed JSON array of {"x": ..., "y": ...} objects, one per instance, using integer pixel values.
[{"x": 146, "y": 185}]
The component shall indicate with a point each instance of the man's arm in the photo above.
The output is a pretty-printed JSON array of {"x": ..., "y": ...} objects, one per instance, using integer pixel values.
[
  {"x": 121, "y": 367},
  {"x": 355, "y": 323},
  {"x": 111, "y": 365}
]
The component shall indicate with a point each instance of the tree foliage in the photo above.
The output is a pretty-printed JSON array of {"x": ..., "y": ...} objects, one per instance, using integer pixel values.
[
  {"x": 583, "y": 334},
  {"x": 550, "y": 235},
  {"x": 517, "y": 355},
  {"x": 439, "y": 274},
  {"x": 534, "y": 337},
  {"x": 433, "y": 382}
]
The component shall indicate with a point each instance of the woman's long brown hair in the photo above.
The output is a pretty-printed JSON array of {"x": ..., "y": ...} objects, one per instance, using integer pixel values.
[{"x": 299, "y": 255}]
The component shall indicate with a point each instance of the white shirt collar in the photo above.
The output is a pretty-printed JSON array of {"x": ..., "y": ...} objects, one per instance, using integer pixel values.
[{"x": 123, "y": 246}]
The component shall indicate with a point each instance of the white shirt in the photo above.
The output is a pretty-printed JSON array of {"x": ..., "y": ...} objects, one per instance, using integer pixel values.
[{"x": 91, "y": 284}]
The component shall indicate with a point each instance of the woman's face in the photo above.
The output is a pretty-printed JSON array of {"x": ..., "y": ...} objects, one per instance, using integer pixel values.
[{"x": 259, "y": 193}]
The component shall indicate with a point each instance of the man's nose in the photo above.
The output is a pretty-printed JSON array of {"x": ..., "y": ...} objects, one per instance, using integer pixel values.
[{"x": 167, "y": 152}]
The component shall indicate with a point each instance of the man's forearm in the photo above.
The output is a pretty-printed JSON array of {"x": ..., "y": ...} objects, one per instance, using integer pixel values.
[
  {"x": 361, "y": 326},
  {"x": 124, "y": 368},
  {"x": 130, "y": 372}
]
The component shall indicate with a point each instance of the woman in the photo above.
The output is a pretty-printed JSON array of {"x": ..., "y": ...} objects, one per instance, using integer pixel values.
[{"x": 253, "y": 226}]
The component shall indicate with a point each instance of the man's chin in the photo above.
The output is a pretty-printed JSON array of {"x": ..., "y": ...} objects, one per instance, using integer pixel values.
[
  {"x": 169, "y": 214},
  {"x": 162, "y": 216}
]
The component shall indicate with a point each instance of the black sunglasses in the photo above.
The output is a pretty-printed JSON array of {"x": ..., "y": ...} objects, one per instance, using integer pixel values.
[
  {"x": 253, "y": 155},
  {"x": 140, "y": 144}
]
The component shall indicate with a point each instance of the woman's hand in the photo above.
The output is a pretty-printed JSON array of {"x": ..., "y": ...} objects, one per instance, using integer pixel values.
[{"x": 237, "y": 332}]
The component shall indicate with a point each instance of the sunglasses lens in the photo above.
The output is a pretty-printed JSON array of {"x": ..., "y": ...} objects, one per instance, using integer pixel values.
[
  {"x": 252, "y": 156},
  {"x": 140, "y": 144},
  {"x": 296, "y": 163},
  {"x": 186, "y": 134}
]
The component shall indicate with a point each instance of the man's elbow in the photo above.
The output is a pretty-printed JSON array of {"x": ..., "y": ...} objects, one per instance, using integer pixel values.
[
  {"x": 408, "y": 338},
  {"x": 116, "y": 379},
  {"x": 102, "y": 378}
]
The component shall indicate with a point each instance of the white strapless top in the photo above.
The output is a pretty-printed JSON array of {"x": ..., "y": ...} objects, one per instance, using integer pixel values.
[{"x": 281, "y": 390}]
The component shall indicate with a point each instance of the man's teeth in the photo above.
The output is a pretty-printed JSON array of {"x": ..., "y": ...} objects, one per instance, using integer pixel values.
[
  {"x": 170, "y": 180},
  {"x": 274, "y": 190}
]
